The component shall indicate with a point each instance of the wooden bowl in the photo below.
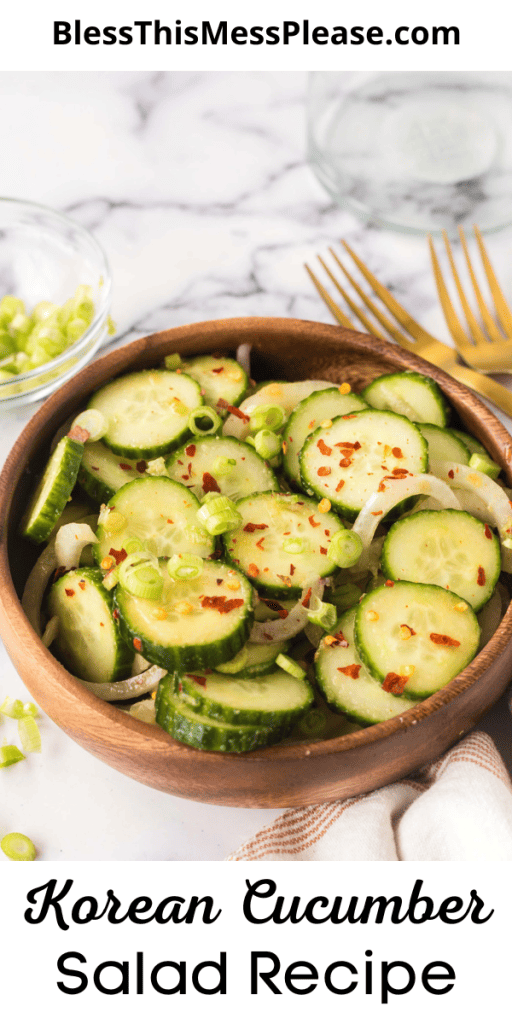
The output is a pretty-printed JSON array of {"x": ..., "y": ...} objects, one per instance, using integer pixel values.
[{"x": 292, "y": 775}]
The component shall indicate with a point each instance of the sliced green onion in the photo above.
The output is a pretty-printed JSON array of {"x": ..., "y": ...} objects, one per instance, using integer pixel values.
[
  {"x": 111, "y": 578},
  {"x": 16, "y": 846},
  {"x": 173, "y": 361},
  {"x": 133, "y": 545},
  {"x": 322, "y": 614},
  {"x": 196, "y": 535},
  {"x": 12, "y": 708},
  {"x": 345, "y": 548},
  {"x": 9, "y": 754},
  {"x": 485, "y": 465},
  {"x": 140, "y": 575},
  {"x": 250, "y": 440},
  {"x": 295, "y": 545},
  {"x": 270, "y": 417},
  {"x": 235, "y": 665},
  {"x": 30, "y": 737},
  {"x": 289, "y": 665},
  {"x": 267, "y": 444},
  {"x": 93, "y": 421},
  {"x": 223, "y": 466},
  {"x": 185, "y": 567},
  {"x": 203, "y": 421},
  {"x": 218, "y": 515},
  {"x": 313, "y": 722},
  {"x": 345, "y": 596},
  {"x": 9, "y": 307},
  {"x": 156, "y": 467},
  {"x": 113, "y": 522}
]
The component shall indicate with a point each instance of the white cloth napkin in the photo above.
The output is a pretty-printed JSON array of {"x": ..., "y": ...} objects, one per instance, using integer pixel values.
[{"x": 456, "y": 808}]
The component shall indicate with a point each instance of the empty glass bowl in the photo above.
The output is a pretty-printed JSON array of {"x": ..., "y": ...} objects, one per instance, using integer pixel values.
[{"x": 44, "y": 257}]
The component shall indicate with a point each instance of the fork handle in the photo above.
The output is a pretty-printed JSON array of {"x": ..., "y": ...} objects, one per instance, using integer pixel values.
[{"x": 485, "y": 386}]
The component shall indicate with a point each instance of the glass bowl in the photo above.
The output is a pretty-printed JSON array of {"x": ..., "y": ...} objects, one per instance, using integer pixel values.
[{"x": 44, "y": 256}]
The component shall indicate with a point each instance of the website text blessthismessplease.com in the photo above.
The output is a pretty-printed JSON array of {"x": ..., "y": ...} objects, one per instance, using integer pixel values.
[{"x": 221, "y": 33}]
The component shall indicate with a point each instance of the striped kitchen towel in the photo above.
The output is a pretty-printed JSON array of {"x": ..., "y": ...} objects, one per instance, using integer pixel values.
[{"x": 456, "y": 808}]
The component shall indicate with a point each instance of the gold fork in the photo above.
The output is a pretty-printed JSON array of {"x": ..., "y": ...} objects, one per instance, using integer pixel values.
[
  {"x": 491, "y": 356},
  {"x": 416, "y": 339}
]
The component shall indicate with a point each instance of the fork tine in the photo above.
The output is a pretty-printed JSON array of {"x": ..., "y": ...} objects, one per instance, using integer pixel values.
[
  {"x": 473, "y": 324},
  {"x": 502, "y": 307},
  {"x": 490, "y": 326},
  {"x": 454, "y": 324},
  {"x": 350, "y": 303},
  {"x": 333, "y": 306},
  {"x": 382, "y": 319}
]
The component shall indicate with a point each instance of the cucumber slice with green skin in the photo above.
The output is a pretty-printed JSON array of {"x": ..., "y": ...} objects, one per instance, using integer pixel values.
[
  {"x": 89, "y": 641},
  {"x": 276, "y": 392},
  {"x": 449, "y": 548},
  {"x": 347, "y": 461},
  {"x": 310, "y": 414},
  {"x": 471, "y": 442},
  {"x": 103, "y": 473},
  {"x": 272, "y": 701},
  {"x": 415, "y": 636},
  {"x": 194, "y": 465},
  {"x": 147, "y": 412},
  {"x": 195, "y": 625},
  {"x": 185, "y": 725},
  {"x": 354, "y": 693},
  {"x": 254, "y": 660},
  {"x": 409, "y": 394},
  {"x": 444, "y": 444},
  {"x": 218, "y": 378},
  {"x": 161, "y": 514},
  {"x": 269, "y": 522},
  {"x": 53, "y": 491}
]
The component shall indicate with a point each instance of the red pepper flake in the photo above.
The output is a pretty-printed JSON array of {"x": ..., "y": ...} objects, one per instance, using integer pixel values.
[
  {"x": 79, "y": 434},
  {"x": 260, "y": 543},
  {"x": 210, "y": 484},
  {"x": 451, "y": 474},
  {"x": 311, "y": 520},
  {"x": 292, "y": 569},
  {"x": 125, "y": 466},
  {"x": 323, "y": 551},
  {"x": 189, "y": 469},
  {"x": 115, "y": 613},
  {"x": 323, "y": 447},
  {"x": 171, "y": 522},
  {"x": 118, "y": 555},
  {"x": 285, "y": 579},
  {"x": 488, "y": 532},
  {"x": 81, "y": 584},
  {"x": 324, "y": 471},
  {"x": 397, "y": 452},
  {"x": 217, "y": 369},
  {"x": 190, "y": 450},
  {"x": 379, "y": 513},
  {"x": 444, "y": 641},
  {"x": 340, "y": 485},
  {"x": 389, "y": 583},
  {"x": 398, "y": 473},
  {"x": 70, "y": 593},
  {"x": 218, "y": 582},
  {"x": 137, "y": 643},
  {"x": 200, "y": 680},
  {"x": 221, "y": 603},
  {"x": 351, "y": 416},
  {"x": 480, "y": 576},
  {"x": 344, "y": 463},
  {"x": 382, "y": 485},
  {"x": 275, "y": 607},
  {"x": 339, "y": 640},
  {"x": 252, "y": 527},
  {"x": 222, "y": 404},
  {"x": 305, "y": 603},
  {"x": 351, "y": 670},
  {"x": 352, "y": 446},
  {"x": 253, "y": 569},
  {"x": 394, "y": 683},
  {"x": 141, "y": 466}
]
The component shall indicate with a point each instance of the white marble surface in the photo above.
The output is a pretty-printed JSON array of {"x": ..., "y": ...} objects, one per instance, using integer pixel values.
[{"x": 197, "y": 186}]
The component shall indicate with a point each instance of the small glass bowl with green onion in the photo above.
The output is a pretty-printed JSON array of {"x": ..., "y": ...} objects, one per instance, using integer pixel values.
[{"x": 55, "y": 286}]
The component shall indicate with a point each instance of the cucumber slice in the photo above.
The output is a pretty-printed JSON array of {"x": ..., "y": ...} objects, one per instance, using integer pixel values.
[
  {"x": 409, "y": 394},
  {"x": 270, "y": 524},
  {"x": 444, "y": 445},
  {"x": 147, "y": 412},
  {"x": 271, "y": 701},
  {"x": 102, "y": 472},
  {"x": 276, "y": 392},
  {"x": 471, "y": 442},
  {"x": 53, "y": 491},
  {"x": 194, "y": 465},
  {"x": 254, "y": 660},
  {"x": 415, "y": 636},
  {"x": 308, "y": 415},
  {"x": 218, "y": 377},
  {"x": 89, "y": 641},
  {"x": 187, "y": 726},
  {"x": 196, "y": 624},
  {"x": 449, "y": 548},
  {"x": 354, "y": 693},
  {"x": 161, "y": 514},
  {"x": 347, "y": 461}
]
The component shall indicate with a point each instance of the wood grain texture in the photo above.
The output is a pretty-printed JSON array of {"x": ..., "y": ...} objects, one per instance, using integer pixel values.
[{"x": 292, "y": 775}]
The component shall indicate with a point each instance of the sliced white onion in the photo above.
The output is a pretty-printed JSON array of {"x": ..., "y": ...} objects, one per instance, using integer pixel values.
[
  {"x": 36, "y": 585},
  {"x": 51, "y": 630},
  {"x": 497, "y": 509},
  {"x": 127, "y": 689},
  {"x": 243, "y": 356},
  {"x": 381, "y": 502},
  {"x": 287, "y": 393},
  {"x": 295, "y": 621},
  {"x": 143, "y": 711},
  {"x": 70, "y": 541}
]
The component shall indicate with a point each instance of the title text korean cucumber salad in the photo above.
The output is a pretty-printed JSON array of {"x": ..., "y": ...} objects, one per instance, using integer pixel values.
[{"x": 243, "y": 563}]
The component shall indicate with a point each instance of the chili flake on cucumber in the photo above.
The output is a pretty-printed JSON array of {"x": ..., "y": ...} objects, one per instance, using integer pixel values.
[{"x": 244, "y": 607}]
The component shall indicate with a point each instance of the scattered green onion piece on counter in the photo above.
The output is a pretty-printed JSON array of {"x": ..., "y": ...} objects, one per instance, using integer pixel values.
[
  {"x": 323, "y": 614},
  {"x": 267, "y": 444},
  {"x": 185, "y": 567},
  {"x": 140, "y": 576},
  {"x": 237, "y": 664},
  {"x": 345, "y": 548},
  {"x": 345, "y": 596},
  {"x": 204, "y": 421},
  {"x": 313, "y": 723},
  {"x": 223, "y": 466},
  {"x": 485, "y": 465},
  {"x": 172, "y": 361},
  {"x": 31, "y": 709},
  {"x": 12, "y": 708},
  {"x": 295, "y": 545},
  {"x": 16, "y": 846},
  {"x": 269, "y": 417},
  {"x": 9, "y": 754},
  {"x": 219, "y": 515},
  {"x": 93, "y": 421},
  {"x": 289, "y": 665},
  {"x": 30, "y": 737}
]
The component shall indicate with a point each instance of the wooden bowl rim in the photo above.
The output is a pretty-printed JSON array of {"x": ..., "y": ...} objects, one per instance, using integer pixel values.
[{"x": 161, "y": 743}]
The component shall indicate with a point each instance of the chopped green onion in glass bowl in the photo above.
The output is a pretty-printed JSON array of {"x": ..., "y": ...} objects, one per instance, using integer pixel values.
[{"x": 55, "y": 286}]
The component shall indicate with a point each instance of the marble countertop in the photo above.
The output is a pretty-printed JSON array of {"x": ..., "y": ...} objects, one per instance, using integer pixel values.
[{"x": 198, "y": 187}]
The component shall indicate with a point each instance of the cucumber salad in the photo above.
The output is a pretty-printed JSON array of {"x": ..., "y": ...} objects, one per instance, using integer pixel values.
[{"x": 241, "y": 564}]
